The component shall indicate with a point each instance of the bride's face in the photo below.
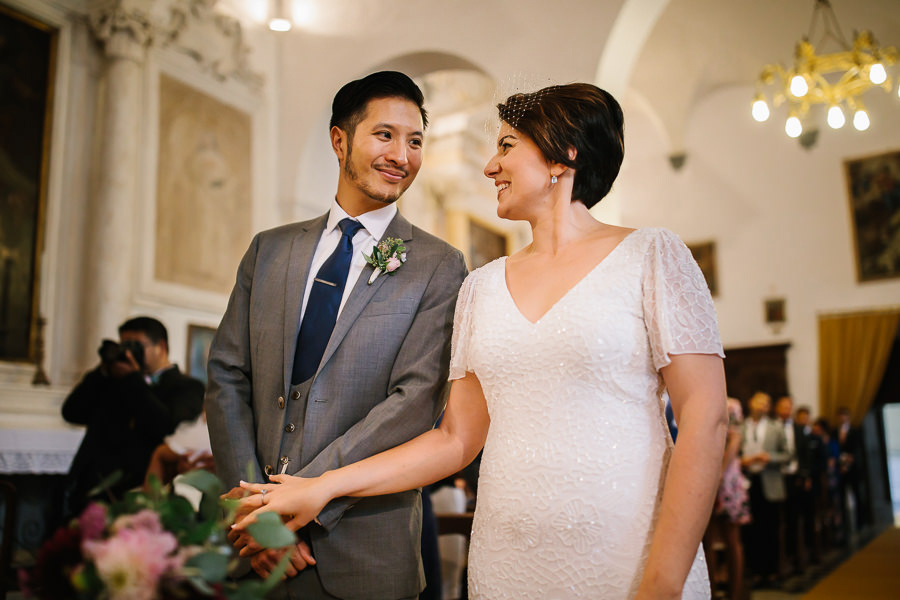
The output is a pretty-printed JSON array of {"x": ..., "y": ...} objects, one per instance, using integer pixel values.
[{"x": 521, "y": 174}]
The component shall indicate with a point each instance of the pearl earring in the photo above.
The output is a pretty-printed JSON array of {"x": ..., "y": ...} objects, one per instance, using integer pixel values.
[{"x": 553, "y": 179}]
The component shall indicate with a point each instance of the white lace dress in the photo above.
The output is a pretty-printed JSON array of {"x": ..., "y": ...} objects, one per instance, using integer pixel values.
[{"x": 574, "y": 461}]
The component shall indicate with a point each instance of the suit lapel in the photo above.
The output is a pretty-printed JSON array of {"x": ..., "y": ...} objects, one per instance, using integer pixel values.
[
  {"x": 303, "y": 248},
  {"x": 363, "y": 292}
]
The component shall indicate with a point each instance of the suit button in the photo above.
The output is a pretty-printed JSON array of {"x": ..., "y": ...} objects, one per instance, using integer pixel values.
[
  {"x": 284, "y": 460},
  {"x": 269, "y": 470},
  {"x": 289, "y": 428},
  {"x": 280, "y": 401},
  {"x": 295, "y": 395}
]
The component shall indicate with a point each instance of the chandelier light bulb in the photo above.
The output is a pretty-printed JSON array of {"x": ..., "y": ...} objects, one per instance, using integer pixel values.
[
  {"x": 861, "y": 120},
  {"x": 799, "y": 86},
  {"x": 793, "y": 127},
  {"x": 760, "y": 110},
  {"x": 279, "y": 24},
  {"x": 877, "y": 74},
  {"x": 836, "y": 118}
]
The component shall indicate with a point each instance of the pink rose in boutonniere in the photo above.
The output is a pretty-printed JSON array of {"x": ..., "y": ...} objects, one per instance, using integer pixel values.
[{"x": 387, "y": 256}]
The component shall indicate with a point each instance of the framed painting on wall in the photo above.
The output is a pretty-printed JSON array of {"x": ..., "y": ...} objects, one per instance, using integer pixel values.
[
  {"x": 485, "y": 244},
  {"x": 203, "y": 182},
  {"x": 705, "y": 255},
  {"x": 199, "y": 339},
  {"x": 26, "y": 93},
  {"x": 873, "y": 185}
]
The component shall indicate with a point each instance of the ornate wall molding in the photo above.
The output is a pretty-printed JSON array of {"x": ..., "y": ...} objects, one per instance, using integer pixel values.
[
  {"x": 124, "y": 27},
  {"x": 215, "y": 41}
]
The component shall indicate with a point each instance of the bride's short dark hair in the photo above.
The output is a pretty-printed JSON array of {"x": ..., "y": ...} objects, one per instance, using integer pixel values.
[{"x": 579, "y": 116}]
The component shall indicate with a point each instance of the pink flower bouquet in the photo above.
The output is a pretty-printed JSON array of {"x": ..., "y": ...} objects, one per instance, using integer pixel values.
[{"x": 151, "y": 546}]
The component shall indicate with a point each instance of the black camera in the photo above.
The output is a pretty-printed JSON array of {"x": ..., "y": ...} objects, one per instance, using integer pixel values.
[{"x": 111, "y": 351}]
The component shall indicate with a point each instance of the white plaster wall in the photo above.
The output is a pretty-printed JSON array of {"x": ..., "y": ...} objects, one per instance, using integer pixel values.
[
  {"x": 183, "y": 306},
  {"x": 778, "y": 213}
]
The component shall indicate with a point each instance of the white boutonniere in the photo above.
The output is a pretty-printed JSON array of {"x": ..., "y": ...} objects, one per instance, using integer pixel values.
[{"x": 386, "y": 257}]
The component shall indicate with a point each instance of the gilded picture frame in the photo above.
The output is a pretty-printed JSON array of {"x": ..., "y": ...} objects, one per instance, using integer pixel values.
[
  {"x": 199, "y": 339},
  {"x": 27, "y": 74},
  {"x": 486, "y": 243},
  {"x": 873, "y": 192},
  {"x": 705, "y": 255}
]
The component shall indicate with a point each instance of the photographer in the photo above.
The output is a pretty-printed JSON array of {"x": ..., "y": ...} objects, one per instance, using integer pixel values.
[{"x": 129, "y": 403}]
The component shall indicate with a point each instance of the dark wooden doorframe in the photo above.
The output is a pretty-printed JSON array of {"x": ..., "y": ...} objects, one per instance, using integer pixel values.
[{"x": 752, "y": 369}]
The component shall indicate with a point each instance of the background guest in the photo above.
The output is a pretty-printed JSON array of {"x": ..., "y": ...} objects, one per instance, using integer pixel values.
[
  {"x": 732, "y": 509},
  {"x": 128, "y": 403},
  {"x": 763, "y": 453}
]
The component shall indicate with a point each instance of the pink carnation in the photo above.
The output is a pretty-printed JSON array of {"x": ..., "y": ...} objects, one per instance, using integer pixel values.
[
  {"x": 92, "y": 521},
  {"x": 392, "y": 264},
  {"x": 131, "y": 562}
]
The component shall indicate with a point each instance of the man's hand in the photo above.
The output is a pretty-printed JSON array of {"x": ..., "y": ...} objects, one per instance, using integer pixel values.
[
  {"x": 264, "y": 562},
  {"x": 241, "y": 540},
  {"x": 123, "y": 368}
]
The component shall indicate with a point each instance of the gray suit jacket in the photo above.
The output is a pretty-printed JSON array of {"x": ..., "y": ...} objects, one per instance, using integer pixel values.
[
  {"x": 379, "y": 384},
  {"x": 775, "y": 443}
]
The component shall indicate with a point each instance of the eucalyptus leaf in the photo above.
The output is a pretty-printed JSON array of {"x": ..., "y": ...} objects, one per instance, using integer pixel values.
[
  {"x": 252, "y": 473},
  {"x": 202, "y": 480},
  {"x": 200, "y": 533},
  {"x": 209, "y": 507},
  {"x": 213, "y": 566},
  {"x": 247, "y": 590},
  {"x": 270, "y": 532},
  {"x": 176, "y": 513},
  {"x": 106, "y": 483},
  {"x": 155, "y": 486}
]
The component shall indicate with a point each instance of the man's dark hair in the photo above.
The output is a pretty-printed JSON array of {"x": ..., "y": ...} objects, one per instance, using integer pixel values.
[
  {"x": 149, "y": 326},
  {"x": 579, "y": 116},
  {"x": 349, "y": 105}
]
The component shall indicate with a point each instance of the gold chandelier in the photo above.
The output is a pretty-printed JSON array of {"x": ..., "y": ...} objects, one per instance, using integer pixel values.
[{"x": 836, "y": 80}]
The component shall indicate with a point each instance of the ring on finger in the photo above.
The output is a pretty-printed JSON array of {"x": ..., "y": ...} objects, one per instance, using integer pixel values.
[{"x": 263, "y": 494}]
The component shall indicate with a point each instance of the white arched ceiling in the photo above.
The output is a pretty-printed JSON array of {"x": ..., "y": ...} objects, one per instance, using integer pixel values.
[
  {"x": 698, "y": 47},
  {"x": 633, "y": 25}
]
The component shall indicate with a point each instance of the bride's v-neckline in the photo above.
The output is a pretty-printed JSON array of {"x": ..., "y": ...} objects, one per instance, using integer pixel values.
[{"x": 568, "y": 291}]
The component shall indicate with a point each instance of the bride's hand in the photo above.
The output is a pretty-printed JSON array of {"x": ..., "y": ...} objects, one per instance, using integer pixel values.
[{"x": 298, "y": 498}]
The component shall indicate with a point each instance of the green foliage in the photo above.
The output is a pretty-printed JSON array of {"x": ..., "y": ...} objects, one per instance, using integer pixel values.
[
  {"x": 270, "y": 532},
  {"x": 66, "y": 570}
]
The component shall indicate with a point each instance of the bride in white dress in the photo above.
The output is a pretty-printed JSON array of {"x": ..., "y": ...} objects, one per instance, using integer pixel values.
[{"x": 560, "y": 355}]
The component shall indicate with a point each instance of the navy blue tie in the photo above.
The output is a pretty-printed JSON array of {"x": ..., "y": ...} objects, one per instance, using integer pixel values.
[{"x": 323, "y": 304}]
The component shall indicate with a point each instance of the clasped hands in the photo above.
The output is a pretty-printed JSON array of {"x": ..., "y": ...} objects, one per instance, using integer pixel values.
[{"x": 289, "y": 496}]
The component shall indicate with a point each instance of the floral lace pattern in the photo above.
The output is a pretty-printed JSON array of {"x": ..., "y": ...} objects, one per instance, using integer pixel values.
[{"x": 572, "y": 468}]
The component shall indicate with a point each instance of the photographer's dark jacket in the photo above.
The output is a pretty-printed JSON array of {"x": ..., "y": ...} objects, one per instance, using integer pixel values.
[{"x": 126, "y": 419}]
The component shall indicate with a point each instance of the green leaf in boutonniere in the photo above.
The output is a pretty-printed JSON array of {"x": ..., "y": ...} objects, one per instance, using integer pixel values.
[{"x": 386, "y": 257}]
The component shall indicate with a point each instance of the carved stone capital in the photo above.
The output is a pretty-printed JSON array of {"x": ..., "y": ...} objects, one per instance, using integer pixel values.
[
  {"x": 124, "y": 27},
  {"x": 214, "y": 40}
]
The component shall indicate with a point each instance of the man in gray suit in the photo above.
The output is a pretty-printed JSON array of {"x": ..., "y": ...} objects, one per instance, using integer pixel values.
[
  {"x": 316, "y": 365},
  {"x": 764, "y": 452}
]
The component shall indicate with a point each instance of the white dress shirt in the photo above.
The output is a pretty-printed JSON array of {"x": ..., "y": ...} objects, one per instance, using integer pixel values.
[
  {"x": 374, "y": 224},
  {"x": 754, "y": 441},
  {"x": 791, "y": 467}
]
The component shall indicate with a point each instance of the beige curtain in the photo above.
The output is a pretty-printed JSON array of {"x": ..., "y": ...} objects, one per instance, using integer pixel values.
[{"x": 853, "y": 353}]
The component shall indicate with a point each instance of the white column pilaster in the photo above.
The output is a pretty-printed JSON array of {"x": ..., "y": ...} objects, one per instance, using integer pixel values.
[{"x": 125, "y": 34}]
